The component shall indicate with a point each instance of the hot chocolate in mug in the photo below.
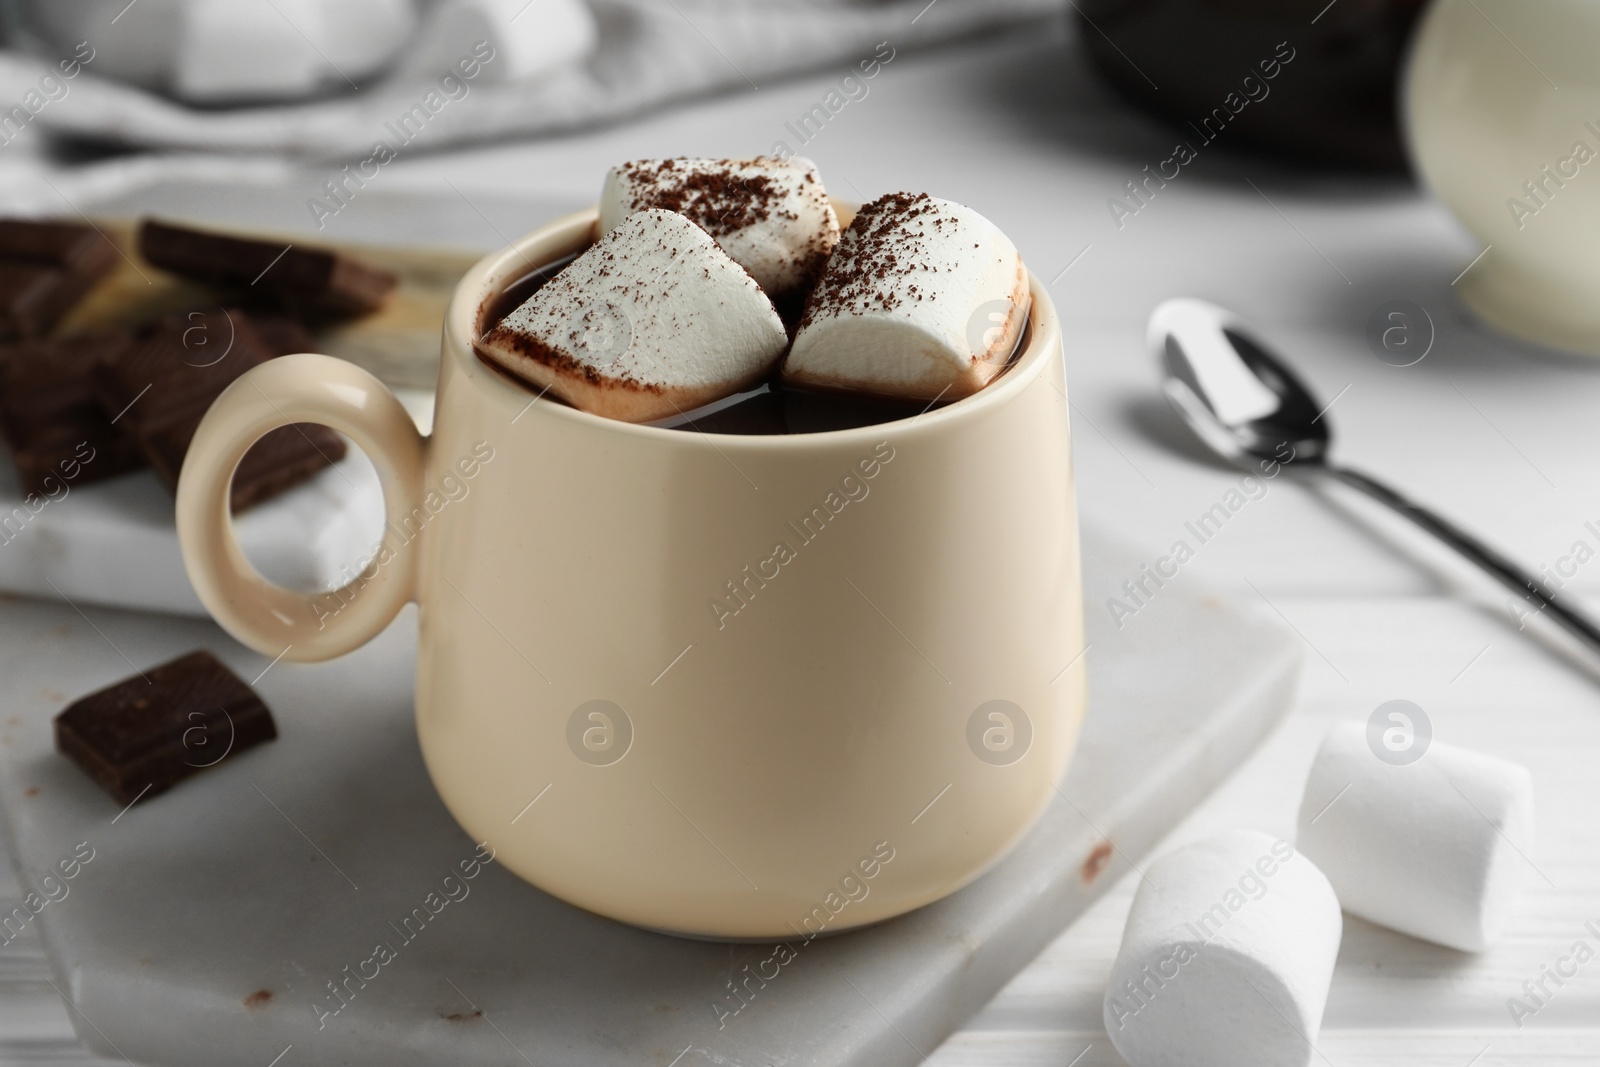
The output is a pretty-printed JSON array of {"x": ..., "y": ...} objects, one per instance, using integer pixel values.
[{"x": 712, "y": 684}]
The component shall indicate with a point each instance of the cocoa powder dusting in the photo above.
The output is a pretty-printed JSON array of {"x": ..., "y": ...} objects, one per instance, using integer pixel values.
[
  {"x": 725, "y": 197},
  {"x": 719, "y": 199},
  {"x": 536, "y": 350},
  {"x": 885, "y": 242}
]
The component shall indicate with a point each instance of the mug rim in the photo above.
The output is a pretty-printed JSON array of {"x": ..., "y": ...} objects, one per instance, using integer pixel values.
[{"x": 570, "y": 233}]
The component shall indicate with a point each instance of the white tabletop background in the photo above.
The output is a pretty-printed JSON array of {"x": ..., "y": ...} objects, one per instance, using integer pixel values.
[{"x": 1496, "y": 433}]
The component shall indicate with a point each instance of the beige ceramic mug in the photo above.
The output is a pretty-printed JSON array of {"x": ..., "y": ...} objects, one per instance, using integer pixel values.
[{"x": 717, "y": 685}]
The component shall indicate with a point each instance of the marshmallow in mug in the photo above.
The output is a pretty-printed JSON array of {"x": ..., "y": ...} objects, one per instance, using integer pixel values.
[
  {"x": 923, "y": 298},
  {"x": 772, "y": 216},
  {"x": 652, "y": 320},
  {"x": 1226, "y": 958},
  {"x": 1434, "y": 848}
]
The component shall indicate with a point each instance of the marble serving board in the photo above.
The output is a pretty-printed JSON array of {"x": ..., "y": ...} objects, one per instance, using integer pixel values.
[
  {"x": 207, "y": 923},
  {"x": 115, "y": 543}
]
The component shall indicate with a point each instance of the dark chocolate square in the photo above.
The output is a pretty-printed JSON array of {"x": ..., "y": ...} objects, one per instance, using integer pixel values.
[
  {"x": 283, "y": 335},
  {"x": 281, "y": 459},
  {"x": 46, "y": 268},
  {"x": 30, "y": 297},
  {"x": 167, "y": 381},
  {"x": 57, "y": 432},
  {"x": 143, "y": 735},
  {"x": 302, "y": 279},
  {"x": 184, "y": 361},
  {"x": 57, "y": 244}
]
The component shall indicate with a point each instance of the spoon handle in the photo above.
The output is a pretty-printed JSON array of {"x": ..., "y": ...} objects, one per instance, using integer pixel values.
[{"x": 1509, "y": 574}]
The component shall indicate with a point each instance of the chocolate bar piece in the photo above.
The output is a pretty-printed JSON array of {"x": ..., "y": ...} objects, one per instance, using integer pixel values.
[
  {"x": 58, "y": 244},
  {"x": 281, "y": 459},
  {"x": 282, "y": 334},
  {"x": 49, "y": 416},
  {"x": 46, "y": 268},
  {"x": 165, "y": 382},
  {"x": 302, "y": 279},
  {"x": 144, "y": 735},
  {"x": 32, "y": 298}
]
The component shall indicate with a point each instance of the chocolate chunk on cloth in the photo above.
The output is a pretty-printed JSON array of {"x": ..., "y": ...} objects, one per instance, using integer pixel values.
[
  {"x": 144, "y": 735},
  {"x": 163, "y": 384},
  {"x": 46, "y": 268},
  {"x": 51, "y": 421},
  {"x": 300, "y": 279}
]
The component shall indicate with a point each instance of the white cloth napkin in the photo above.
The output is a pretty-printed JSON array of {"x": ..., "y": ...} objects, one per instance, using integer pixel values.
[{"x": 650, "y": 52}]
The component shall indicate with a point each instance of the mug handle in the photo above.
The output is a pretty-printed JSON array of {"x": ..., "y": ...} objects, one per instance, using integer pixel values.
[{"x": 270, "y": 619}]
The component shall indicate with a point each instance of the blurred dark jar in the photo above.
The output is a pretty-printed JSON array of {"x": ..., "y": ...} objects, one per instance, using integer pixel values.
[{"x": 1334, "y": 102}]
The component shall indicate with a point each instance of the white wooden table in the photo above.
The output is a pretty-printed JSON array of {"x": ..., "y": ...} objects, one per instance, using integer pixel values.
[{"x": 1494, "y": 432}]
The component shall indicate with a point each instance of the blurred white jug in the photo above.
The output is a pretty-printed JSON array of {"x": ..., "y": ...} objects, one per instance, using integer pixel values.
[{"x": 1515, "y": 157}]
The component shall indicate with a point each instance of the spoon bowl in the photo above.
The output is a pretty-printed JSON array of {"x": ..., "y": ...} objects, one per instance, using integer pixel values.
[
  {"x": 1236, "y": 396},
  {"x": 1247, "y": 406}
]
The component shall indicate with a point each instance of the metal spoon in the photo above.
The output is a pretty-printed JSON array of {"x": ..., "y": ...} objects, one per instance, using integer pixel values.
[{"x": 1249, "y": 408}]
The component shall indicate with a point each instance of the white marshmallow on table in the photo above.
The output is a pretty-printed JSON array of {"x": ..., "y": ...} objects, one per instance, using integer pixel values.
[
  {"x": 529, "y": 37},
  {"x": 922, "y": 298},
  {"x": 362, "y": 37},
  {"x": 1226, "y": 958},
  {"x": 228, "y": 50},
  {"x": 653, "y": 320},
  {"x": 772, "y": 216},
  {"x": 1434, "y": 848}
]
